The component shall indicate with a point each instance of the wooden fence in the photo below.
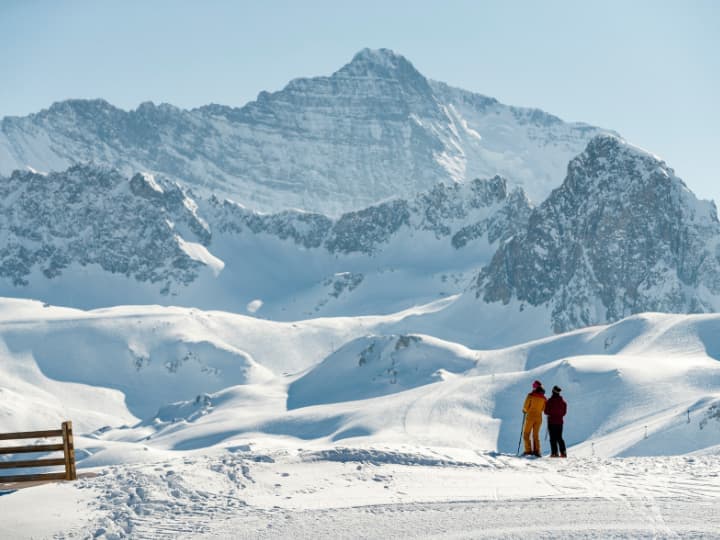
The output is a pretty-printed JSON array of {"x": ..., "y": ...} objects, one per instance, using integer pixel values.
[{"x": 66, "y": 446}]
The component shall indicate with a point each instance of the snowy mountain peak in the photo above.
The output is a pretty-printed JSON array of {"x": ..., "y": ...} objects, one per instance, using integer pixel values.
[
  {"x": 380, "y": 63},
  {"x": 373, "y": 130},
  {"x": 622, "y": 235},
  {"x": 610, "y": 145},
  {"x": 610, "y": 153},
  {"x": 380, "y": 57},
  {"x": 149, "y": 108},
  {"x": 611, "y": 164},
  {"x": 84, "y": 106}
]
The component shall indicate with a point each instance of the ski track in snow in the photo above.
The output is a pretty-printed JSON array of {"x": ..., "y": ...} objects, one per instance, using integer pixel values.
[
  {"x": 487, "y": 519},
  {"x": 399, "y": 493}
]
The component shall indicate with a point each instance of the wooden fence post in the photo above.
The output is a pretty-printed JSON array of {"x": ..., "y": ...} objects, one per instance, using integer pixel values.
[
  {"x": 67, "y": 447},
  {"x": 69, "y": 451}
]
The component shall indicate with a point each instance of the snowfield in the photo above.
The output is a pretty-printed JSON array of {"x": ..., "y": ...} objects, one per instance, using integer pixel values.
[
  {"x": 209, "y": 424},
  {"x": 254, "y": 491}
]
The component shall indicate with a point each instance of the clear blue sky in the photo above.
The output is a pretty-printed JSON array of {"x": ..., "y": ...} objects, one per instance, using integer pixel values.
[{"x": 647, "y": 69}]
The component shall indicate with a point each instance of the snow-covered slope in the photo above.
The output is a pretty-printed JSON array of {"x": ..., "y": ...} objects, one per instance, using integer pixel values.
[
  {"x": 186, "y": 425},
  {"x": 647, "y": 385},
  {"x": 374, "y": 129},
  {"x": 158, "y": 355},
  {"x": 88, "y": 237}
]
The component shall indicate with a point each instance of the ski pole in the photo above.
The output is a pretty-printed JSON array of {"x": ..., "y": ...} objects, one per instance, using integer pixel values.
[{"x": 522, "y": 428}]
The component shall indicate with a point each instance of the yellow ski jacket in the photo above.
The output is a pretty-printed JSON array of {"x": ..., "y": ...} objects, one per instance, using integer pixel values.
[{"x": 534, "y": 404}]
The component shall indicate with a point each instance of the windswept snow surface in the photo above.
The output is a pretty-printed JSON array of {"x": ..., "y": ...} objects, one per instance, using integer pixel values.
[{"x": 209, "y": 423}]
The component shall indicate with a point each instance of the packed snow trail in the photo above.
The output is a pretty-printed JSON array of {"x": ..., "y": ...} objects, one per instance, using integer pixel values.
[
  {"x": 268, "y": 491},
  {"x": 543, "y": 519}
]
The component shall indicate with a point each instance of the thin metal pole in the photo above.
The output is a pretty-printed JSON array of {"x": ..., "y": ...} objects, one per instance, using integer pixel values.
[{"x": 522, "y": 428}]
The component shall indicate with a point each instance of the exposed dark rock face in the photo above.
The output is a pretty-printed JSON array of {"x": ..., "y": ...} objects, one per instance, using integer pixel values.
[
  {"x": 622, "y": 235},
  {"x": 143, "y": 227},
  {"x": 93, "y": 216},
  {"x": 462, "y": 212}
]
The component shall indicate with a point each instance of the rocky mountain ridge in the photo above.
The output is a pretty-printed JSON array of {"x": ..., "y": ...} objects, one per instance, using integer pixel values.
[
  {"x": 622, "y": 235},
  {"x": 373, "y": 130},
  {"x": 95, "y": 216},
  {"x": 154, "y": 234},
  {"x": 457, "y": 211}
]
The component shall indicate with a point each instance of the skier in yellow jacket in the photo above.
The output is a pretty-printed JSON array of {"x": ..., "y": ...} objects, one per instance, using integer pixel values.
[{"x": 533, "y": 410}]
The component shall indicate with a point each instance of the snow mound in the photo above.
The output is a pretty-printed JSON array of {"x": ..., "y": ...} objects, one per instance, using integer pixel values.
[
  {"x": 374, "y": 366},
  {"x": 646, "y": 385}
]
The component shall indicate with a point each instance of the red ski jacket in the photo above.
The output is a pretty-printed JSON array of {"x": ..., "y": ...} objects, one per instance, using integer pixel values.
[{"x": 555, "y": 408}]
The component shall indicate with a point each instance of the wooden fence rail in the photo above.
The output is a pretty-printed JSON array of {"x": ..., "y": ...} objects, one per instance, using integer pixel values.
[{"x": 66, "y": 446}]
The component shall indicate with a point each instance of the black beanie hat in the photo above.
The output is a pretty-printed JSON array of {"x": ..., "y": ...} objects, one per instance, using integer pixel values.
[{"x": 556, "y": 389}]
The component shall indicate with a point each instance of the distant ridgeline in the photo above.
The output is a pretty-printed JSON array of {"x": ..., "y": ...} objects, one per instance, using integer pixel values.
[
  {"x": 621, "y": 235},
  {"x": 73, "y": 233},
  {"x": 367, "y": 192},
  {"x": 374, "y": 129}
]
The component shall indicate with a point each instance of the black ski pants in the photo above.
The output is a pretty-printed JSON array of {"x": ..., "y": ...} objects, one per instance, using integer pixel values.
[{"x": 556, "y": 439}]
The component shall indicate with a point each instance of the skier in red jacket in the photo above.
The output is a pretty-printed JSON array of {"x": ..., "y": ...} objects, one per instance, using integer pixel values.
[{"x": 555, "y": 409}]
